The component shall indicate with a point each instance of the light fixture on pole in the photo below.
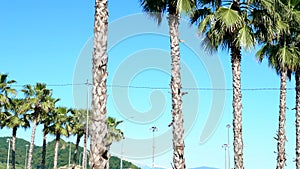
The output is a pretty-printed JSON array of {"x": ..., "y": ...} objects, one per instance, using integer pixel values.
[
  {"x": 225, "y": 147},
  {"x": 228, "y": 145},
  {"x": 8, "y": 150},
  {"x": 153, "y": 129},
  {"x": 26, "y": 151}
]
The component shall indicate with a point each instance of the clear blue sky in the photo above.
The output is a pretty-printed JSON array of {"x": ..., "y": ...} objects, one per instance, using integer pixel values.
[{"x": 47, "y": 41}]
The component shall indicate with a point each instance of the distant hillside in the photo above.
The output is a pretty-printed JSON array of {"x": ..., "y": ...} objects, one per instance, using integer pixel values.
[{"x": 63, "y": 155}]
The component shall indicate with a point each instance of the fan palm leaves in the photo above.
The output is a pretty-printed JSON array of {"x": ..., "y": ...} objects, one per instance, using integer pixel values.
[
  {"x": 39, "y": 98},
  {"x": 60, "y": 127},
  {"x": 16, "y": 118},
  {"x": 283, "y": 54},
  {"x": 229, "y": 25}
]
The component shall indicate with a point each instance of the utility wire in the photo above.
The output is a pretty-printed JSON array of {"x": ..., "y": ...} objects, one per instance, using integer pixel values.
[{"x": 162, "y": 88}]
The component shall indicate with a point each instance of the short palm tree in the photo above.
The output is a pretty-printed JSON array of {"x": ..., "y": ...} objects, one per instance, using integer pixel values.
[
  {"x": 78, "y": 126},
  {"x": 16, "y": 118},
  {"x": 59, "y": 127},
  {"x": 5, "y": 89},
  {"x": 39, "y": 98},
  {"x": 229, "y": 25},
  {"x": 46, "y": 120},
  {"x": 114, "y": 134},
  {"x": 99, "y": 158},
  {"x": 156, "y": 9}
]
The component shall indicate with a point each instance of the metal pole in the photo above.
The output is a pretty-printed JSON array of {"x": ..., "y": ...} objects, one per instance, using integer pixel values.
[
  {"x": 87, "y": 121},
  {"x": 7, "y": 163},
  {"x": 225, "y": 147},
  {"x": 153, "y": 129},
  {"x": 26, "y": 156},
  {"x": 228, "y": 144},
  {"x": 69, "y": 155},
  {"x": 122, "y": 144}
]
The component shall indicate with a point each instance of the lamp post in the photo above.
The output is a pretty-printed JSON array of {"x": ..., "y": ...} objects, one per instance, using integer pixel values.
[
  {"x": 80, "y": 157},
  {"x": 122, "y": 144},
  {"x": 225, "y": 147},
  {"x": 26, "y": 147},
  {"x": 228, "y": 145},
  {"x": 153, "y": 129},
  {"x": 8, "y": 150}
]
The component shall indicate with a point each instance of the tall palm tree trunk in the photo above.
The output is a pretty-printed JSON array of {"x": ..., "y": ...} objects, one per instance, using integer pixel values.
[
  {"x": 43, "y": 163},
  {"x": 281, "y": 137},
  {"x": 76, "y": 151},
  {"x": 99, "y": 156},
  {"x": 56, "y": 151},
  {"x": 297, "y": 78},
  {"x": 177, "y": 116},
  {"x": 30, "y": 151},
  {"x": 237, "y": 107},
  {"x": 13, "y": 154}
]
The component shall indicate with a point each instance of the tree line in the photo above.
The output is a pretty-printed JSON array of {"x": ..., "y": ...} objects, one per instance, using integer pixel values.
[{"x": 37, "y": 106}]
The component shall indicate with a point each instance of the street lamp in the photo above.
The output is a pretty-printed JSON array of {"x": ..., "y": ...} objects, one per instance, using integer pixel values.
[
  {"x": 228, "y": 145},
  {"x": 225, "y": 147},
  {"x": 7, "y": 163},
  {"x": 26, "y": 147},
  {"x": 153, "y": 129}
]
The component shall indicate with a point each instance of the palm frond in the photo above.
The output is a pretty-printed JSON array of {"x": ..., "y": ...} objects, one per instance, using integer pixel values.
[{"x": 246, "y": 37}]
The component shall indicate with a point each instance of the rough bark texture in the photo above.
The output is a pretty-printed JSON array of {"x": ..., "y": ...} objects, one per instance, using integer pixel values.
[
  {"x": 13, "y": 153},
  {"x": 281, "y": 137},
  {"x": 297, "y": 78},
  {"x": 76, "y": 151},
  {"x": 237, "y": 108},
  {"x": 178, "y": 129},
  {"x": 43, "y": 163},
  {"x": 56, "y": 151},
  {"x": 99, "y": 156},
  {"x": 30, "y": 152}
]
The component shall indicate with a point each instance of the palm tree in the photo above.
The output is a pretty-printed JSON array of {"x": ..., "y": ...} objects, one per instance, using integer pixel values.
[
  {"x": 156, "y": 9},
  {"x": 16, "y": 118},
  {"x": 78, "y": 124},
  {"x": 39, "y": 97},
  {"x": 114, "y": 134},
  {"x": 5, "y": 89},
  {"x": 59, "y": 127},
  {"x": 46, "y": 120},
  {"x": 283, "y": 55},
  {"x": 228, "y": 24},
  {"x": 99, "y": 157}
]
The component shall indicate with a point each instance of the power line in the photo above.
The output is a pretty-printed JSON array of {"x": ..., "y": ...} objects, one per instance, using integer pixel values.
[{"x": 163, "y": 88}]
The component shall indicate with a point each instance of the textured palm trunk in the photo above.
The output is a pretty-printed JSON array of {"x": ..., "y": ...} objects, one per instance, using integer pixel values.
[
  {"x": 43, "y": 163},
  {"x": 13, "y": 146},
  {"x": 99, "y": 156},
  {"x": 297, "y": 122},
  {"x": 177, "y": 116},
  {"x": 281, "y": 137},
  {"x": 56, "y": 151},
  {"x": 297, "y": 78},
  {"x": 76, "y": 151},
  {"x": 237, "y": 107},
  {"x": 30, "y": 151}
]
